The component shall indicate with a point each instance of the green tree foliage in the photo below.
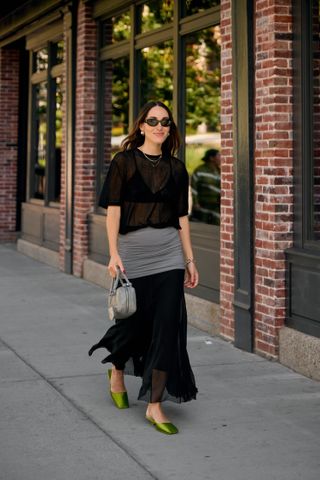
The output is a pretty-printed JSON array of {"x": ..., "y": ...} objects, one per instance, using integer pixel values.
[
  {"x": 195, "y": 6},
  {"x": 156, "y": 73},
  {"x": 156, "y": 13},
  {"x": 203, "y": 81},
  {"x": 202, "y": 70},
  {"x": 120, "y": 95}
]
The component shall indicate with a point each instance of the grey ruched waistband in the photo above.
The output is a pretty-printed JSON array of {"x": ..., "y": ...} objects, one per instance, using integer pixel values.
[{"x": 150, "y": 250}]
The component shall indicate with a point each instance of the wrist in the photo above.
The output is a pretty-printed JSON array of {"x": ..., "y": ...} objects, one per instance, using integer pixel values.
[{"x": 189, "y": 260}]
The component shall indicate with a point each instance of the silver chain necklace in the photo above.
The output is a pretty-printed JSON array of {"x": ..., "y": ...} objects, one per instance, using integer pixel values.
[{"x": 155, "y": 162}]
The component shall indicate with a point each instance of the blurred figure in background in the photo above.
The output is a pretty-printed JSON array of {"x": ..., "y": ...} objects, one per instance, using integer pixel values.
[{"x": 205, "y": 187}]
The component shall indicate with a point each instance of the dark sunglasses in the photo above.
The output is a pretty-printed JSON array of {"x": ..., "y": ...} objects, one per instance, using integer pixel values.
[{"x": 153, "y": 122}]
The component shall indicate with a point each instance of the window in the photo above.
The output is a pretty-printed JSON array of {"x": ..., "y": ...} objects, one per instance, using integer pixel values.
[
  {"x": 46, "y": 122},
  {"x": 116, "y": 29},
  {"x": 191, "y": 7},
  {"x": 147, "y": 53},
  {"x": 307, "y": 125},
  {"x": 114, "y": 111},
  {"x": 40, "y": 60},
  {"x": 303, "y": 278},
  {"x": 40, "y": 141},
  {"x": 57, "y": 142},
  {"x": 202, "y": 123},
  {"x": 156, "y": 73},
  {"x": 315, "y": 120},
  {"x": 155, "y": 14}
]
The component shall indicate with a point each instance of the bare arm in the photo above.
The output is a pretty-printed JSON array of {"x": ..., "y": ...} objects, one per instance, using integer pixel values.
[
  {"x": 192, "y": 276},
  {"x": 113, "y": 224}
]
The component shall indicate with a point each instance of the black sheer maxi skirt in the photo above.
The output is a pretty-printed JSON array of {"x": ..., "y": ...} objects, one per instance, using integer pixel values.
[{"x": 152, "y": 343}]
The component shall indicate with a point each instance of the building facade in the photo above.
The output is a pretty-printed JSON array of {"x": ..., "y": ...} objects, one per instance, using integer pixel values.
[{"x": 242, "y": 79}]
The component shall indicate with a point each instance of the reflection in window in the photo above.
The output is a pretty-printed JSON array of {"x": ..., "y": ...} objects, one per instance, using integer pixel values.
[
  {"x": 316, "y": 120},
  {"x": 115, "y": 106},
  {"x": 195, "y": 6},
  {"x": 40, "y": 60},
  {"x": 203, "y": 75},
  {"x": 58, "y": 140},
  {"x": 155, "y": 13},
  {"x": 116, "y": 29},
  {"x": 120, "y": 99},
  {"x": 40, "y": 143},
  {"x": 58, "y": 52},
  {"x": 157, "y": 73},
  {"x": 46, "y": 122}
]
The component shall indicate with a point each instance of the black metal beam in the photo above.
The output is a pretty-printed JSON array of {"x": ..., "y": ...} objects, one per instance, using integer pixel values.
[{"x": 242, "y": 82}]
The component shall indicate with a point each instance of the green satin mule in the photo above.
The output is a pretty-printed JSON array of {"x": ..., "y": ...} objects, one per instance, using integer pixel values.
[
  {"x": 167, "y": 427},
  {"x": 120, "y": 399}
]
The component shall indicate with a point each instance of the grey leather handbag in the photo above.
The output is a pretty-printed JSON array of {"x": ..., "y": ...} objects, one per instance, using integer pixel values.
[{"x": 121, "y": 299}]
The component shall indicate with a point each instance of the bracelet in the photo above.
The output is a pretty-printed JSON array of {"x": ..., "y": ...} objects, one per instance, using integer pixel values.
[{"x": 189, "y": 260}]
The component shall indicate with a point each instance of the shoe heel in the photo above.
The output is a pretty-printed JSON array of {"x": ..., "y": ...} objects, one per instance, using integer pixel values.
[
  {"x": 120, "y": 399},
  {"x": 167, "y": 428}
]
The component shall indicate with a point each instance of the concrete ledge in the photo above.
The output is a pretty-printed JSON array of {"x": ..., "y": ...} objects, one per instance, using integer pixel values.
[
  {"x": 300, "y": 351},
  {"x": 96, "y": 273},
  {"x": 201, "y": 313},
  {"x": 42, "y": 254}
]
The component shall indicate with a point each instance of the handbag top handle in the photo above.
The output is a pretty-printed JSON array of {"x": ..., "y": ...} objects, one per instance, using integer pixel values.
[{"x": 120, "y": 277}]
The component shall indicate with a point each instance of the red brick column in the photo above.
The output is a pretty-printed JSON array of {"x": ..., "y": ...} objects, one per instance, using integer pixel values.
[
  {"x": 227, "y": 178},
  {"x": 9, "y": 103},
  {"x": 273, "y": 168},
  {"x": 85, "y": 135}
]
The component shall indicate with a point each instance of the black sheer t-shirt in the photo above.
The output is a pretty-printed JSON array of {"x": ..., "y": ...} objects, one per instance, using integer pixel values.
[{"x": 154, "y": 196}]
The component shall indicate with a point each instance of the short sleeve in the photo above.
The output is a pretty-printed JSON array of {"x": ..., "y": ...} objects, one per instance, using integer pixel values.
[
  {"x": 183, "y": 191},
  {"x": 112, "y": 190}
]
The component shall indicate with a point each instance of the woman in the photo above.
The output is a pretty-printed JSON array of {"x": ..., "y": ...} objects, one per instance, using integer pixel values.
[{"x": 146, "y": 194}]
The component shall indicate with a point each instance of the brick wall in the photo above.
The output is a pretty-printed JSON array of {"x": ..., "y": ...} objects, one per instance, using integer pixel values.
[
  {"x": 9, "y": 98},
  {"x": 227, "y": 225},
  {"x": 85, "y": 135},
  {"x": 273, "y": 168}
]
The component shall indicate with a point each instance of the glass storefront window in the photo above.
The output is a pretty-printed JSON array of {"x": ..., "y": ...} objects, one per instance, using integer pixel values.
[
  {"x": 116, "y": 29},
  {"x": 46, "y": 122},
  {"x": 58, "y": 140},
  {"x": 202, "y": 123},
  {"x": 120, "y": 101},
  {"x": 153, "y": 74},
  {"x": 40, "y": 142},
  {"x": 156, "y": 73},
  {"x": 58, "y": 52},
  {"x": 115, "y": 74},
  {"x": 316, "y": 119},
  {"x": 156, "y": 13},
  {"x": 191, "y": 7},
  {"x": 40, "y": 60}
]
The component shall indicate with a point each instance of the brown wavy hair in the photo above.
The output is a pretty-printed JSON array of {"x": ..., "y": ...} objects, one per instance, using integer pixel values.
[{"x": 135, "y": 139}]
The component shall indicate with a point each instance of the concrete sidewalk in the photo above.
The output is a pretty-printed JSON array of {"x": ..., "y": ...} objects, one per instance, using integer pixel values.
[{"x": 253, "y": 419}]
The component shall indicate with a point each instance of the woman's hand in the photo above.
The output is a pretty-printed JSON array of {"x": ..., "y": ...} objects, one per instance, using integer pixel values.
[
  {"x": 191, "y": 278},
  {"x": 115, "y": 261}
]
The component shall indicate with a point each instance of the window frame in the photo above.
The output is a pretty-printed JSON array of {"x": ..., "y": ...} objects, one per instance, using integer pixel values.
[
  {"x": 205, "y": 237},
  {"x": 303, "y": 259},
  {"x": 176, "y": 31},
  {"x": 303, "y": 129},
  {"x": 49, "y": 76}
]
